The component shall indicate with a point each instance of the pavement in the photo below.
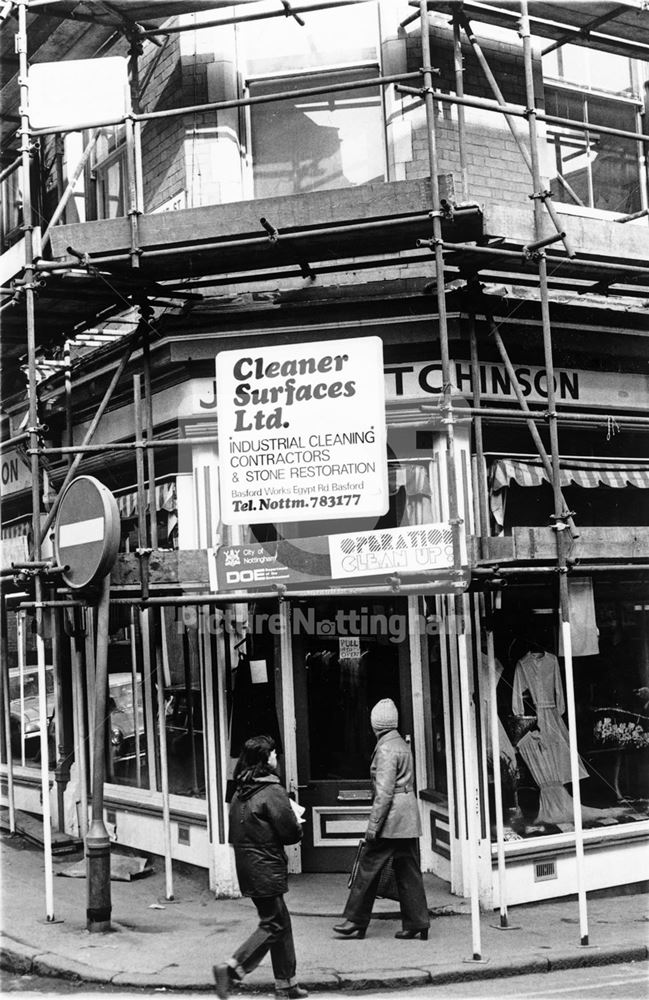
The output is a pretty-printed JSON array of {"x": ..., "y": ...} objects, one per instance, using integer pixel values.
[{"x": 160, "y": 943}]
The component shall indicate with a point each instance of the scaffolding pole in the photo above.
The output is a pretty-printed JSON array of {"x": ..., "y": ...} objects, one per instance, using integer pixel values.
[
  {"x": 29, "y": 290},
  {"x": 561, "y": 514}
]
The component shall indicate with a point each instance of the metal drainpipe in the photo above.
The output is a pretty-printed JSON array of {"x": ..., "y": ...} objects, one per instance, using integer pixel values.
[
  {"x": 21, "y": 47},
  {"x": 560, "y": 513}
]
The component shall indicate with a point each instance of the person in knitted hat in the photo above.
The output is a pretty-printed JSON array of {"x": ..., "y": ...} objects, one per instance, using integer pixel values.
[{"x": 393, "y": 832}]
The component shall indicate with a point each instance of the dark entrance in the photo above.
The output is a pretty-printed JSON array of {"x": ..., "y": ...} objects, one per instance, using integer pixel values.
[{"x": 347, "y": 655}]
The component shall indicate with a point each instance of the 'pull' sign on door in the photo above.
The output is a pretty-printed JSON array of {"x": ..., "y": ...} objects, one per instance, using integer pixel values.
[{"x": 86, "y": 532}]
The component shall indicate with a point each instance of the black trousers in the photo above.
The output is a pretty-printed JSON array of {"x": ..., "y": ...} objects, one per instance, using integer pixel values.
[
  {"x": 405, "y": 860},
  {"x": 273, "y": 934}
]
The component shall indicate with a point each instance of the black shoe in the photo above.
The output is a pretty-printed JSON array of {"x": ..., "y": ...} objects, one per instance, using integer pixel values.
[
  {"x": 291, "y": 992},
  {"x": 409, "y": 935},
  {"x": 223, "y": 977},
  {"x": 350, "y": 930}
]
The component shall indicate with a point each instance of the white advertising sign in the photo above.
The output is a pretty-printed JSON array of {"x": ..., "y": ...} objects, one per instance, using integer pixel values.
[
  {"x": 302, "y": 434},
  {"x": 405, "y": 550},
  {"x": 72, "y": 91}
]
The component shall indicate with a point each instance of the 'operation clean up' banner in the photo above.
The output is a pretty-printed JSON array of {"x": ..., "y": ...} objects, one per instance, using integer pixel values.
[{"x": 302, "y": 434}]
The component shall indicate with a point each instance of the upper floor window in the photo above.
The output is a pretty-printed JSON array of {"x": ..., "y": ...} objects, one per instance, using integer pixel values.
[
  {"x": 11, "y": 210},
  {"x": 590, "y": 168},
  {"x": 313, "y": 142},
  {"x": 108, "y": 172}
]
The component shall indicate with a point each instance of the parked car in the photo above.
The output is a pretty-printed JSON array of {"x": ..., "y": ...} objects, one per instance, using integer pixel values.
[
  {"x": 25, "y": 713},
  {"x": 121, "y": 706}
]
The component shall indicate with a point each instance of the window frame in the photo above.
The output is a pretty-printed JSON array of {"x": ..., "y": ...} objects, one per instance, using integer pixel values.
[{"x": 584, "y": 92}]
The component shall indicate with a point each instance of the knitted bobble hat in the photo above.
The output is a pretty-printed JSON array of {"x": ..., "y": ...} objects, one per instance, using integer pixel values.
[{"x": 384, "y": 715}]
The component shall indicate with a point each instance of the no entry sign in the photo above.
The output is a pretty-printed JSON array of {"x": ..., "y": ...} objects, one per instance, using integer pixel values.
[{"x": 86, "y": 532}]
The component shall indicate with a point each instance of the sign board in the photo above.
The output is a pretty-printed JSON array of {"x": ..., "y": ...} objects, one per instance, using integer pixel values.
[
  {"x": 15, "y": 473},
  {"x": 72, "y": 91},
  {"x": 86, "y": 532},
  {"x": 423, "y": 549},
  {"x": 302, "y": 433},
  {"x": 419, "y": 549}
]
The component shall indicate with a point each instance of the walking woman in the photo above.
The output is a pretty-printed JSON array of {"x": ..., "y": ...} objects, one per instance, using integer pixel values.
[
  {"x": 393, "y": 831},
  {"x": 262, "y": 821}
]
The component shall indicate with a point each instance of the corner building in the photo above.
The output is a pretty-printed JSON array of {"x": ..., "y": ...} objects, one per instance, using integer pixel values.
[{"x": 470, "y": 203}]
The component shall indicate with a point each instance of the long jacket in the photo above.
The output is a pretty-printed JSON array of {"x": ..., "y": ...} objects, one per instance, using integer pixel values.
[
  {"x": 394, "y": 808},
  {"x": 261, "y": 822}
]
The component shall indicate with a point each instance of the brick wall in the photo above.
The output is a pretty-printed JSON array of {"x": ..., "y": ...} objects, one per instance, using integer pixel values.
[
  {"x": 163, "y": 140},
  {"x": 494, "y": 161}
]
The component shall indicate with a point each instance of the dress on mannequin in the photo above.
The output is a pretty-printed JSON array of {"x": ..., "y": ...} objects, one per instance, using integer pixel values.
[
  {"x": 539, "y": 673},
  {"x": 555, "y": 804}
]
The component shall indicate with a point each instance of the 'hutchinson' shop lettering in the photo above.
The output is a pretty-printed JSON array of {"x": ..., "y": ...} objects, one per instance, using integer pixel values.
[{"x": 494, "y": 380}]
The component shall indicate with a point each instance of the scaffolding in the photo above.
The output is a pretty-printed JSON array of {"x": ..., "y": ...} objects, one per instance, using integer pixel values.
[{"x": 457, "y": 249}]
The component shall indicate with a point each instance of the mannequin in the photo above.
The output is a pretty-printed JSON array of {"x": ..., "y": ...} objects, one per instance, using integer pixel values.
[{"x": 538, "y": 672}]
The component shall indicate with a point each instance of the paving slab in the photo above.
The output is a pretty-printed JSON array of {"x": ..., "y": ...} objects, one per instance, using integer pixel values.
[{"x": 159, "y": 943}]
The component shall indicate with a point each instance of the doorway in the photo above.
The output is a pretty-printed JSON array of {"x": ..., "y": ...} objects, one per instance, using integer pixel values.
[{"x": 347, "y": 655}]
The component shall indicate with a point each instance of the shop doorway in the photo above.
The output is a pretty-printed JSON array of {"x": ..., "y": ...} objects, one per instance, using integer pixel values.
[{"x": 347, "y": 655}]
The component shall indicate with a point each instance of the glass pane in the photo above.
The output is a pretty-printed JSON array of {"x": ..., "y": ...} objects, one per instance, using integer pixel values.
[
  {"x": 590, "y": 168},
  {"x": 569, "y": 150},
  {"x": 316, "y": 143},
  {"x": 610, "y": 638},
  {"x": 328, "y": 38},
  {"x": 351, "y": 663},
  {"x": 25, "y": 715},
  {"x": 615, "y": 166}
]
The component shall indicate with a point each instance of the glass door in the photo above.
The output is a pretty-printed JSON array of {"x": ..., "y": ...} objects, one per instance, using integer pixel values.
[{"x": 347, "y": 655}]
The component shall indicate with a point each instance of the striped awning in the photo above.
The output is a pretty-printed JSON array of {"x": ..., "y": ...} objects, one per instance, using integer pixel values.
[
  {"x": 587, "y": 474},
  {"x": 530, "y": 472},
  {"x": 165, "y": 499}
]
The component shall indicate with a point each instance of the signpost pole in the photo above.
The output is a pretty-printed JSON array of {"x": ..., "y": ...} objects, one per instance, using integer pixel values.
[{"x": 97, "y": 841}]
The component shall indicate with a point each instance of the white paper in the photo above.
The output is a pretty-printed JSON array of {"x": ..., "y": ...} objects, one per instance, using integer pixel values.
[
  {"x": 298, "y": 810},
  {"x": 258, "y": 672}
]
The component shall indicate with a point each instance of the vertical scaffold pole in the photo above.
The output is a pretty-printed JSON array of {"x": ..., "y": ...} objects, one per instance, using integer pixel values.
[
  {"x": 441, "y": 294},
  {"x": 459, "y": 90},
  {"x": 28, "y": 286},
  {"x": 560, "y": 514},
  {"x": 454, "y": 519}
]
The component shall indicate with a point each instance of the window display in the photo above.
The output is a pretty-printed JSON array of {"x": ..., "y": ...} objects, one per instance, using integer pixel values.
[{"x": 611, "y": 631}]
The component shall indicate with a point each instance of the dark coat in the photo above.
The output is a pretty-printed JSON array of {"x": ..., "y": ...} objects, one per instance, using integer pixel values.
[
  {"x": 261, "y": 822},
  {"x": 394, "y": 809}
]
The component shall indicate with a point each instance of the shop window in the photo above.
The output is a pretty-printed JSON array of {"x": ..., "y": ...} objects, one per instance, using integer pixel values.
[
  {"x": 610, "y": 639},
  {"x": 592, "y": 169},
  {"x": 330, "y": 140},
  {"x": 24, "y": 714}
]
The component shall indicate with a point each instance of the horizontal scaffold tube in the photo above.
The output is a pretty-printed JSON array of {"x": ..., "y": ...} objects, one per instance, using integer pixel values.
[{"x": 238, "y": 102}]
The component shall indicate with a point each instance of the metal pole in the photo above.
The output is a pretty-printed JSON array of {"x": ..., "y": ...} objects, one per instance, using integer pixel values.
[
  {"x": 97, "y": 840},
  {"x": 454, "y": 518},
  {"x": 164, "y": 769},
  {"x": 42, "y": 534},
  {"x": 495, "y": 750},
  {"x": 481, "y": 467},
  {"x": 240, "y": 102},
  {"x": 136, "y": 706},
  {"x": 6, "y": 715},
  {"x": 561, "y": 514},
  {"x": 470, "y": 781},
  {"x": 148, "y": 425},
  {"x": 32, "y": 390},
  {"x": 551, "y": 470},
  {"x": 80, "y": 719},
  {"x": 459, "y": 90},
  {"x": 72, "y": 183}
]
